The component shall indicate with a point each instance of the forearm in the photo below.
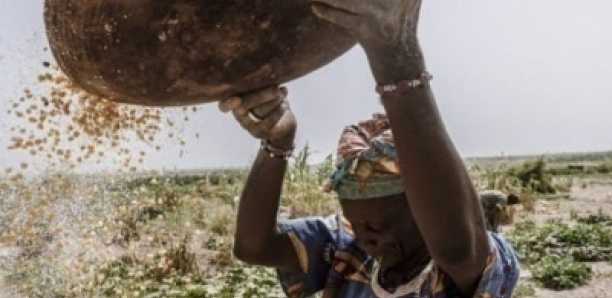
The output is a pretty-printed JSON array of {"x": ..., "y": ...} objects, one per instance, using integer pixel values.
[
  {"x": 259, "y": 203},
  {"x": 438, "y": 187},
  {"x": 396, "y": 60},
  {"x": 257, "y": 240}
]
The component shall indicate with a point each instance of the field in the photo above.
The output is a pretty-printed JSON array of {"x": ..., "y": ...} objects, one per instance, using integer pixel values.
[{"x": 170, "y": 234}]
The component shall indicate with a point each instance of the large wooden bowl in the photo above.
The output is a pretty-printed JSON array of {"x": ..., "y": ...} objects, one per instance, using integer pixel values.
[{"x": 179, "y": 52}]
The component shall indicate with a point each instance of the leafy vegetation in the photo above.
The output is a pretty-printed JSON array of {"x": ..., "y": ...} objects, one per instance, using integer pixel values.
[
  {"x": 557, "y": 252},
  {"x": 170, "y": 235},
  {"x": 583, "y": 242},
  {"x": 559, "y": 273},
  {"x": 524, "y": 289},
  {"x": 534, "y": 175}
]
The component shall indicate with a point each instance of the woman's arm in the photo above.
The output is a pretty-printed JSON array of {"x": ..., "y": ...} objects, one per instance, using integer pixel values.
[
  {"x": 440, "y": 193},
  {"x": 257, "y": 240},
  {"x": 438, "y": 188}
]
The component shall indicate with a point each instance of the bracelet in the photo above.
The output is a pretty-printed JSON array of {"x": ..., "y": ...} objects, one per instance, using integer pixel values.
[
  {"x": 404, "y": 85},
  {"x": 276, "y": 152}
]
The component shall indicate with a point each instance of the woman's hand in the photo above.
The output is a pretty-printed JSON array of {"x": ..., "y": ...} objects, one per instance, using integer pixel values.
[
  {"x": 373, "y": 22},
  {"x": 265, "y": 114},
  {"x": 387, "y": 31}
]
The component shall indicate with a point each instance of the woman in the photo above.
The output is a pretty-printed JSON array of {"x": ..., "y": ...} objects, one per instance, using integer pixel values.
[{"x": 412, "y": 224}]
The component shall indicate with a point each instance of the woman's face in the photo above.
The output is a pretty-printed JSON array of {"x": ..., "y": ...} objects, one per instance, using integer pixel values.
[{"x": 385, "y": 229}]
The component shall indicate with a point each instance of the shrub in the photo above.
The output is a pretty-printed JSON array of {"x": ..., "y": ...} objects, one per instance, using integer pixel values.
[
  {"x": 533, "y": 174},
  {"x": 555, "y": 252},
  {"x": 584, "y": 242},
  {"x": 559, "y": 273},
  {"x": 599, "y": 218},
  {"x": 523, "y": 289}
]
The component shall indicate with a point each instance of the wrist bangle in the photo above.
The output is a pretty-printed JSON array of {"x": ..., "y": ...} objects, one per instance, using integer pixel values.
[
  {"x": 404, "y": 85},
  {"x": 276, "y": 152}
]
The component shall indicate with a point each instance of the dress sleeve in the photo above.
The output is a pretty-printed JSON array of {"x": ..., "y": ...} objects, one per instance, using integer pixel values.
[
  {"x": 310, "y": 238},
  {"x": 502, "y": 271}
]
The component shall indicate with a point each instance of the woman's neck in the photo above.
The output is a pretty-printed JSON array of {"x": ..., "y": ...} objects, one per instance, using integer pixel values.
[{"x": 414, "y": 260}]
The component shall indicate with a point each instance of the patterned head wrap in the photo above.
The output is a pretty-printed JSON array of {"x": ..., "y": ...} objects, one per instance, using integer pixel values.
[{"x": 366, "y": 163}]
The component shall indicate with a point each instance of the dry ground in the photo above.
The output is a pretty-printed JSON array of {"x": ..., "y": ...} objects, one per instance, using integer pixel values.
[
  {"x": 587, "y": 197},
  {"x": 6, "y": 253}
]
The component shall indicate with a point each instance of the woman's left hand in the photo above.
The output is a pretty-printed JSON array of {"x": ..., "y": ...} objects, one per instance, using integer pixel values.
[{"x": 373, "y": 22}]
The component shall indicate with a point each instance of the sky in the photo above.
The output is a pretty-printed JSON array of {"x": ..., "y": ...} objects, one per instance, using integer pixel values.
[{"x": 510, "y": 78}]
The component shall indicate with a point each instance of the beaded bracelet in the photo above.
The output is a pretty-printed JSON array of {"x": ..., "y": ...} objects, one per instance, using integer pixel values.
[
  {"x": 404, "y": 85},
  {"x": 276, "y": 152}
]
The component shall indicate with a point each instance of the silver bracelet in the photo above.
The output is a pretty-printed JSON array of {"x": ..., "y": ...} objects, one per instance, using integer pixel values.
[
  {"x": 404, "y": 85},
  {"x": 276, "y": 152}
]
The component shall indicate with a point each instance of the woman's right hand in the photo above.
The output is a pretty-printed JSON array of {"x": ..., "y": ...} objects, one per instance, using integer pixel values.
[{"x": 265, "y": 114}]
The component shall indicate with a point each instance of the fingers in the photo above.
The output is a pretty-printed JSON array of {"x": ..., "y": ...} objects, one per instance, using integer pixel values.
[
  {"x": 350, "y": 6},
  {"x": 263, "y": 110},
  {"x": 415, "y": 13},
  {"x": 275, "y": 125},
  {"x": 368, "y": 19},
  {"x": 229, "y": 104},
  {"x": 263, "y": 101},
  {"x": 259, "y": 98},
  {"x": 264, "y": 128},
  {"x": 339, "y": 17},
  {"x": 262, "y": 113},
  {"x": 252, "y": 107}
]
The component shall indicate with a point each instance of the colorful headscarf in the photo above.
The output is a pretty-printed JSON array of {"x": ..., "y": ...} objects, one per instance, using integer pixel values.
[{"x": 366, "y": 163}]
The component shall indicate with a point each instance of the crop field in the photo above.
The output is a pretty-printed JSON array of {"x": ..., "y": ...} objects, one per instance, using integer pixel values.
[{"x": 170, "y": 234}]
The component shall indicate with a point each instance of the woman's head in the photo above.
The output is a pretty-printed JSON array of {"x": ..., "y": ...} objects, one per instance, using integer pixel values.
[
  {"x": 368, "y": 183},
  {"x": 385, "y": 229},
  {"x": 380, "y": 224}
]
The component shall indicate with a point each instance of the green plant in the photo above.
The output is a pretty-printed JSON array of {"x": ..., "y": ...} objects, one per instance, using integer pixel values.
[
  {"x": 584, "y": 242},
  {"x": 528, "y": 199},
  {"x": 241, "y": 281},
  {"x": 324, "y": 170},
  {"x": 301, "y": 168},
  {"x": 556, "y": 252},
  {"x": 559, "y": 273},
  {"x": 64, "y": 225},
  {"x": 534, "y": 174},
  {"x": 303, "y": 187},
  {"x": 599, "y": 218},
  {"x": 524, "y": 289}
]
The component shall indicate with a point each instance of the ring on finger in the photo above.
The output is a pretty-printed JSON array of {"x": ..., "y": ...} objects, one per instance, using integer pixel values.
[{"x": 253, "y": 117}]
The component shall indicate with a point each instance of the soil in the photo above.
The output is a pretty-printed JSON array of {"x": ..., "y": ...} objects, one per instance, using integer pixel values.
[
  {"x": 6, "y": 253},
  {"x": 587, "y": 197}
]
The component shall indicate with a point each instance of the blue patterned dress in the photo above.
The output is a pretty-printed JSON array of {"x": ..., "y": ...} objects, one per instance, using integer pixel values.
[{"x": 333, "y": 264}]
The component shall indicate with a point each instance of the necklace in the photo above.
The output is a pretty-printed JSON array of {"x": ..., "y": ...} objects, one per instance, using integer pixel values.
[{"x": 420, "y": 275}]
